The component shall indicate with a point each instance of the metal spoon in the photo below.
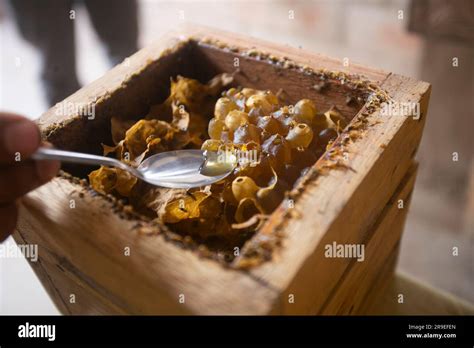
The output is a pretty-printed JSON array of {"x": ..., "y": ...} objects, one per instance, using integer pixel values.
[{"x": 173, "y": 169}]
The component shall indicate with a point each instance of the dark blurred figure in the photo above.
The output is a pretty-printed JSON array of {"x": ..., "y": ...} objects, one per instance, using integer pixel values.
[{"x": 49, "y": 25}]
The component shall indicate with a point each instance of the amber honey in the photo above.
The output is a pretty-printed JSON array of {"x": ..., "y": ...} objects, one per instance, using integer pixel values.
[{"x": 271, "y": 145}]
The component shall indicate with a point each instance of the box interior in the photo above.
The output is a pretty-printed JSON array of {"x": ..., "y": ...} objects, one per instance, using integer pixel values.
[{"x": 202, "y": 62}]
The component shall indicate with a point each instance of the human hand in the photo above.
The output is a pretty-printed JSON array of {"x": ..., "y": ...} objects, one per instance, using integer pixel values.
[{"x": 19, "y": 174}]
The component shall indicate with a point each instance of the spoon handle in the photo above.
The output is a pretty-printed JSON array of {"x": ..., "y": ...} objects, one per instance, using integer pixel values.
[{"x": 44, "y": 153}]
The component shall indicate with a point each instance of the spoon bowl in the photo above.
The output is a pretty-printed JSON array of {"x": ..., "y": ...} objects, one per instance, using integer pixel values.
[
  {"x": 173, "y": 169},
  {"x": 180, "y": 169}
]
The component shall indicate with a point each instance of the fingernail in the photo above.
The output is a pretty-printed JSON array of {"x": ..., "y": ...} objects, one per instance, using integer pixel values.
[
  {"x": 22, "y": 137},
  {"x": 47, "y": 170}
]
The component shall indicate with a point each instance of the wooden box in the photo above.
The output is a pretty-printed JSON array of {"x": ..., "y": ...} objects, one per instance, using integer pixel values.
[{"x": 357, "y": 193}]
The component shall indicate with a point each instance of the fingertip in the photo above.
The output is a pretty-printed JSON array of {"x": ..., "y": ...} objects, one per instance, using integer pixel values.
[{"x": 21, "y": 137}]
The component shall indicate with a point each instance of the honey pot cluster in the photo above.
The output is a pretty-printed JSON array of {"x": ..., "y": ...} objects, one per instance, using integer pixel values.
[{"x": 283, "y": 141}]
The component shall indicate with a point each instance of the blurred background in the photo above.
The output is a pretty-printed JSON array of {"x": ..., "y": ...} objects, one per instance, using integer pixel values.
[{"x": 420, "y": 39}]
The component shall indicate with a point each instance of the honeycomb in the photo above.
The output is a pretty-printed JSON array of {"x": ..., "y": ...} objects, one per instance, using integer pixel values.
[{"x": 275, "y": 145}]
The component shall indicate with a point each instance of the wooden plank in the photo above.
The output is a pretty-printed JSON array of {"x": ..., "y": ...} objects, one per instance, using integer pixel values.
[
  {"x": 222, "y": 49},
  {"x": 69, "y": 292},
  {"x": 418, "y": 299},
  {"x": 259, "y": 74},
  {"x": 344, "y": 203},
  {"x": 44, "y": 276},
  {"x": 312, "y": 59},
  {"x": 380, "y": 284},
  {"x": 89, "y": 245},
  {"x": 383, "y": 238}
]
